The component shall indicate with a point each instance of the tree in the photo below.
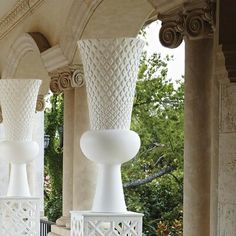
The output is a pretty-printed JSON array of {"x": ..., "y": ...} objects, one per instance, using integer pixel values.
[
  {"x": 53, "y": 159},
  {"x": 153, "y": 180}
]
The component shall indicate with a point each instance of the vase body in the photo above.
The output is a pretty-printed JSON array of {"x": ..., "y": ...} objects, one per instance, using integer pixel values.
[
  {"x": 111, "y": 68},
  {"x": 18, "y": 102}
]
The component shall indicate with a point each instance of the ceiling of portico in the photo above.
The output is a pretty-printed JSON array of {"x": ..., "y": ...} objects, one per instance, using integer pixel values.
[
  {"x": 58, "y": 20},
  {"x": 163, "y": 6}
]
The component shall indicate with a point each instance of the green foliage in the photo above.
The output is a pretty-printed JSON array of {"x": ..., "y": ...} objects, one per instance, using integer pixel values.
[
  {"x": 158, "y": 119},
  {"x": 53, "y": 159}
]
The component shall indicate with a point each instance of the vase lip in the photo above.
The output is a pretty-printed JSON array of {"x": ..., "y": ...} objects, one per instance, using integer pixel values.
[
  {"x": 21, "y": 79},
  {"x": 112, "y": 39}
]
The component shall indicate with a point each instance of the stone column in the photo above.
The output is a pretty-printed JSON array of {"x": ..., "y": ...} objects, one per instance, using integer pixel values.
[
  {"x": 84, "y": 170},
  {"x": 194, "y": 23},
  {"x": 227, "y": 147},
  {"x": 78, "y": 172},
  {"x": 197, "y": 133},
  {"x": 68, "y": 152},
  {"x": 36, "y": 168}
]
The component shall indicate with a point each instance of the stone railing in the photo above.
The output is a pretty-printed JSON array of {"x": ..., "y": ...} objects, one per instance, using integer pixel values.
[{"x": 19, "y": 216}]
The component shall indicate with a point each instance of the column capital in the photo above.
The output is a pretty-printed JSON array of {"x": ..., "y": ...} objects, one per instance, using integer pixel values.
[
  {"x": 40, "y": 104},
  {"x": 67, "y": 77},
  {"x": 194, "y": 21}
]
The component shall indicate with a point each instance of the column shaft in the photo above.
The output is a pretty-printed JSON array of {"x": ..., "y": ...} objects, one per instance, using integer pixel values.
[
  {"x": 197, "y": 131},
  {"x": 84, "y": 175},
  {"x": 68, "y": 152}
]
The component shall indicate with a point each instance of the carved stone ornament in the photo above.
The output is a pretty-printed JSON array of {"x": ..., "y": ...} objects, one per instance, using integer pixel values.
[
  {"x": 40, "y": 104},
  {"x": 194, "y": 21},
  {"x": 66, "y": 78},
  {"x": 1, "y": 118},
  {"x": 20, "y": 10}
]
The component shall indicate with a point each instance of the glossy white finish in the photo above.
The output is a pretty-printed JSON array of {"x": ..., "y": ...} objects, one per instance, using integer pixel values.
[
  {"x": 111, "y": 70},
  {"x": 18, "y": 102}
]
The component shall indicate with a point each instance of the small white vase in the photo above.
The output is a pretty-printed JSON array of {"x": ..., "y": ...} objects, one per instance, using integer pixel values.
[
  {"x": 111, "y": 69},
  {"x": 18, "y": 102}
]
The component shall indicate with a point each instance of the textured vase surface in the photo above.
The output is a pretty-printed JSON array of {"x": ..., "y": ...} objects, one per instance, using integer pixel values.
[
  {"x": 111, "y": 68},
  {"x": 18, "y": 102}
]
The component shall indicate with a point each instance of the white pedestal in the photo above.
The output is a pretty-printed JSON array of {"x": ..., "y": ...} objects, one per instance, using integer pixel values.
[
  {"x": 19, "y": 216},
  {"x": 106, "y": 224}
]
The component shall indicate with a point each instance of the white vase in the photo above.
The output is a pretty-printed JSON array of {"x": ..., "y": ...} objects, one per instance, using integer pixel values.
[
  {"x": 18, "y": 102},
  {"x": 111, "y": 68}
]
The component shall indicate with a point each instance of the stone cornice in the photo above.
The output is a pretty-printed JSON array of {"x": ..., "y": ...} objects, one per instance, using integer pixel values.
[
  {"x": 20, "y": 10},
  {"x": 194, "y": 21},
  {"x": 65, "y": 78}
]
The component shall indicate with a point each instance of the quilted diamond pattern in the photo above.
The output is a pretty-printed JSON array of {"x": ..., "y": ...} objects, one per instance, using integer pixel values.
[
  {"x": 110, "y": 67},
  {"x": 18, "y": 102}
]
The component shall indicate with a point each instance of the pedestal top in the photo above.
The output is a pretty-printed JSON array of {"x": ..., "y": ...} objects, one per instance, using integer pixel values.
[{"x": 91, "y": 213}]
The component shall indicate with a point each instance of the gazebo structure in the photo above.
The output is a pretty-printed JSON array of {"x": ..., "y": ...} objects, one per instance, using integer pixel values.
[{"x": 38, "y": 40}]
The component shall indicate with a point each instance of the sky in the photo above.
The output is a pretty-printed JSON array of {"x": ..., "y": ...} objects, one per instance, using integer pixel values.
[{"x": 175, "y": 67}]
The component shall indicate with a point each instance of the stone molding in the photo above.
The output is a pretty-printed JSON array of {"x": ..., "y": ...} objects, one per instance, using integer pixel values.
[
  {"x": 23, "y": 45},
  {"x": 53, "y": 58},
  {"x": 66, "y": 78},
  {"x": 194, "y": 21},
  {"x": 229, "y": 51},
  {"x": 80, "y": 13},
  {"x": 20, "y": 10}
]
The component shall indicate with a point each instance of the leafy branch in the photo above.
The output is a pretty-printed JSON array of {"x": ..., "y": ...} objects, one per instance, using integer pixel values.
[{"x": 138, "y": 182}]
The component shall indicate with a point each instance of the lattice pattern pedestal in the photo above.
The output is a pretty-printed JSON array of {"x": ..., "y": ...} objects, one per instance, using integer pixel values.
[
  {"x": 106, "y": 224},
  {"x": 19, "y": 216}
]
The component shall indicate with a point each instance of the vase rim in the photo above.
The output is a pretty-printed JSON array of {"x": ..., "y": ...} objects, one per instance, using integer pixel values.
[
  {"x": 15, "y": 81},
  {"x": 20, "y": 79},
  {"x": 111, "y": 39}
]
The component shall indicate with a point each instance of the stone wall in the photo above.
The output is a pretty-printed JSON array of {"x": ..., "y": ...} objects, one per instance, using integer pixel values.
[{"x": 227, "y": 161}]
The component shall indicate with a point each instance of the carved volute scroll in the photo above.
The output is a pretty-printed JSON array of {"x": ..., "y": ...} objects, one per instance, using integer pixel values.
[
  {"x": 194, "y": 21},
  {"x": 66, "y": 78}
]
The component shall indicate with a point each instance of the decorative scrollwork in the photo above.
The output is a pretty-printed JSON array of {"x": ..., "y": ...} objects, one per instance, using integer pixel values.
[
  {"x": 66, "y": 78},
  {"x": 40, "y": 104},
  {"x": 197, "y": 24},
  {"x": 169, "y": 36},
  {"x": 77, "y": 79},
  {"x": 193, "y": 23},
  {"x": 54, "y": 86}
]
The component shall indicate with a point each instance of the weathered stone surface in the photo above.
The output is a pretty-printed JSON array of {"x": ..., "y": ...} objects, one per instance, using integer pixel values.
[
  {"x": 227, "y": 218},
  {"x": 228, "y": 108},
  {"x": 227, "y": 168},
  {"x": 227, "y": 162}
]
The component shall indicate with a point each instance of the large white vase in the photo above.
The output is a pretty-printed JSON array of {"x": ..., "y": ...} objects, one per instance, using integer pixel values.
[
  {"x": 18, "y": 102},
  {"x": 110, "y": 67}
]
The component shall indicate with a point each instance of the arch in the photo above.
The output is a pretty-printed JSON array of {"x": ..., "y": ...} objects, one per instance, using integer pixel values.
[
  {"x": 99, "y": 18},
  {"x": 28, "y": 42}
]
